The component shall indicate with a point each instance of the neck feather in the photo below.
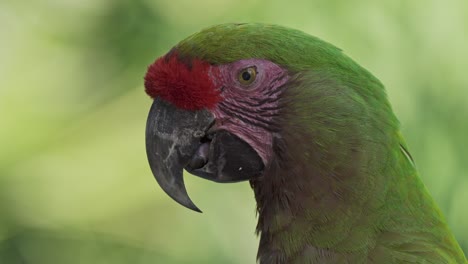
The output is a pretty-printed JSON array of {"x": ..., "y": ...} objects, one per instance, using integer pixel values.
[
  {"x": 347, "y": 213},
  {"x": 312, "y": 207}
]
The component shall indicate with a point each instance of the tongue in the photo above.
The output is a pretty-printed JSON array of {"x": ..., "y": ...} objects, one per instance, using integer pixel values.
[{"x": 200, "y": 158}]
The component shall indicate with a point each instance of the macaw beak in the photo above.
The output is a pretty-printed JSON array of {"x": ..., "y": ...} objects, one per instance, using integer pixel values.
[{"x": 178, "y": 139}]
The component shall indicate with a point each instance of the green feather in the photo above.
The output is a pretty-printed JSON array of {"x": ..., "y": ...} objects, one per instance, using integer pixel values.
[{"x": 342, "y": 187}]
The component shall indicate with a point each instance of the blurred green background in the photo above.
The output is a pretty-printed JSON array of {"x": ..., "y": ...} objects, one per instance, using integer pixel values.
[{"x": 75, "y": 186}]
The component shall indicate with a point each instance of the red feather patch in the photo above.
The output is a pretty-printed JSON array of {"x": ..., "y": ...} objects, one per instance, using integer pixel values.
[{"x": 186, "y": 85}]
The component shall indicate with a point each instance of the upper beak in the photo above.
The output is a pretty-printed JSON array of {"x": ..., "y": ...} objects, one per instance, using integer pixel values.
[{"x": 172, "y": 138}]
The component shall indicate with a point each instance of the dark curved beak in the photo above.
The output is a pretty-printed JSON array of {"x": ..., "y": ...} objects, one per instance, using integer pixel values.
[
  {"x": 172, "y": 138},
  {"x": 179, "y": 139}
]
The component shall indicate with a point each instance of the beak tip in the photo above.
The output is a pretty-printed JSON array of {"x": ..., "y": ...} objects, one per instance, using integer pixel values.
[
  {"x": 179, "y": 194},
  {"x": 190, "y": 205},
  {"x": 197, "y": 210}
]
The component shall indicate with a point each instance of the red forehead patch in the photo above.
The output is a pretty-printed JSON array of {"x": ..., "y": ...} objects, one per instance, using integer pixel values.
[{"x": 186, "y": 85}]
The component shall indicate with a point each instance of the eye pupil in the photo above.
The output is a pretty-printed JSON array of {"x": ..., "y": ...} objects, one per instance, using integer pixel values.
[{"x": 246, "y": 76}]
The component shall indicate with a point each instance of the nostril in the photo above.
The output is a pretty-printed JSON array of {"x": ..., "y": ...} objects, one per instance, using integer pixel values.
[{"x": 200, "y": 158}]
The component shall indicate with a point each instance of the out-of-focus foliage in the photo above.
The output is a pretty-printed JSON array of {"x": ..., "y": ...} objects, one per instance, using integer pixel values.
[{"x": 75, "y": 186}]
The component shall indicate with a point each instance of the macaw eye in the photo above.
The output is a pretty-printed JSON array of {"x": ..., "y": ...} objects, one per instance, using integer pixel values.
[{"x": 247, "y": 75}]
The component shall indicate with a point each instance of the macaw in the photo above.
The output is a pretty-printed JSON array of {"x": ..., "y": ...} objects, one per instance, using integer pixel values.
[{"x": 312, "y": 131}]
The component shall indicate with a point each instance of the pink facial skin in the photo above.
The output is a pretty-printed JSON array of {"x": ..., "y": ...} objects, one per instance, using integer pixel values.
[{"x": 250, "y": 111}]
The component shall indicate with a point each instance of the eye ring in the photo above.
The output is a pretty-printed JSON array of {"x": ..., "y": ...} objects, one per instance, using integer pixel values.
[{"x": 247, "y": 76}]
